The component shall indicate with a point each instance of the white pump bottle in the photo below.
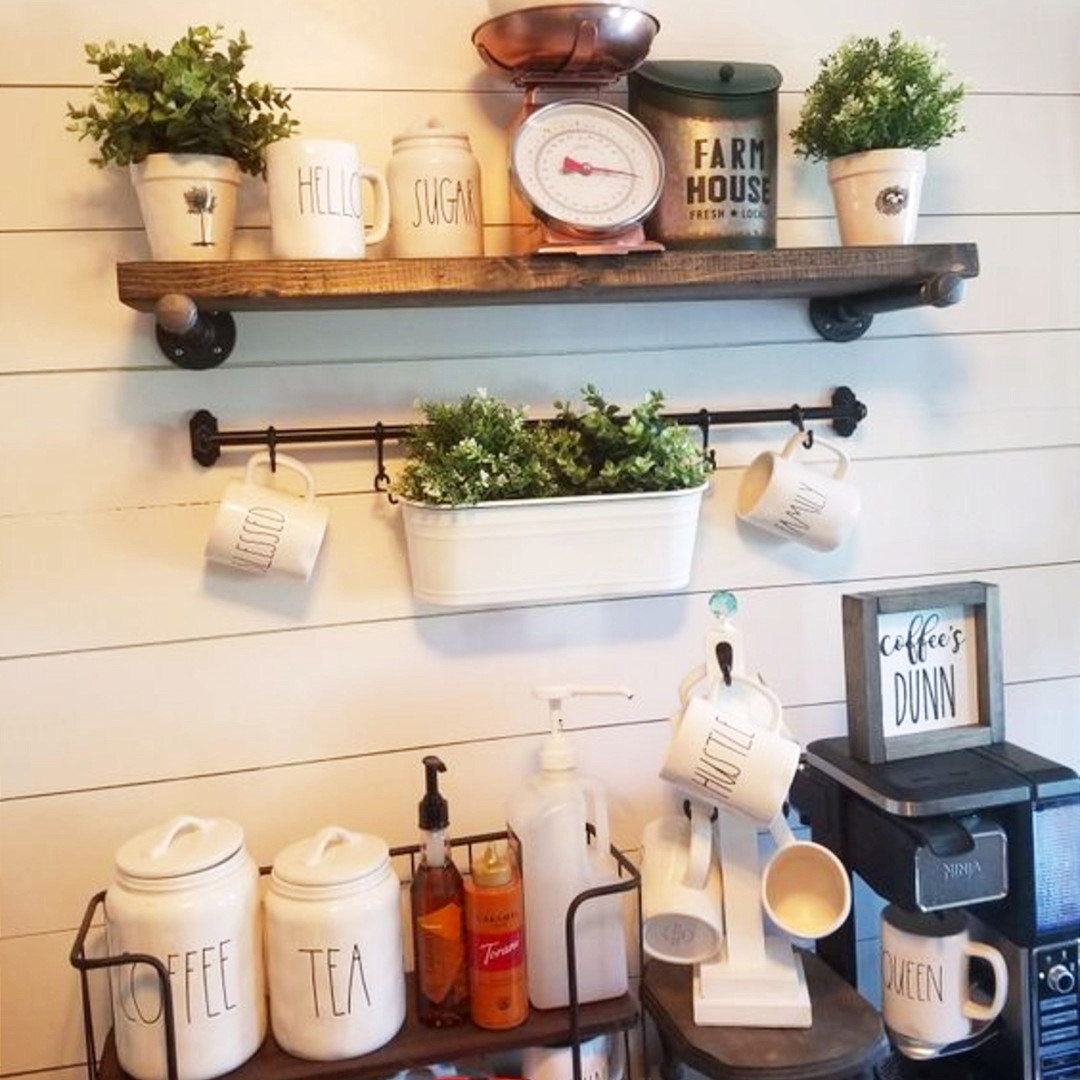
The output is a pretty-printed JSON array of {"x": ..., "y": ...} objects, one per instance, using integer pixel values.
[{"x": 549, "y": 816}]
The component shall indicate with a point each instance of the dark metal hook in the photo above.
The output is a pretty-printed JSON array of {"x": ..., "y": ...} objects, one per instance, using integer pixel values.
[
  {"x": 713, "y": 817},
  {"x": 705, "y": 423},
  {"x": 799, "y": 421},
  {"x": 271, "y": 442},
  {"x": 726, "y": 659},
  {"x": 382, "y": 477}
]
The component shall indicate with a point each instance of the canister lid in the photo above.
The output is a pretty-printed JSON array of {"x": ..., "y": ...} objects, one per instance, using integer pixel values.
[
  {"x": 334, "y": 856},
  {"x": 184, "y": 845},
  {"x": 431, "y": 130},
  {"x": 711, "y": 79}
]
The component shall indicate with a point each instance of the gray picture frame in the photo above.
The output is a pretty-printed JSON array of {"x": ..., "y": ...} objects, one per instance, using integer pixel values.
[{"x": 861, "y": 612}]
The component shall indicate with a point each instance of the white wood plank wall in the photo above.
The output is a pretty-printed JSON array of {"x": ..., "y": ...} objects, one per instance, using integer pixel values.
[{"x": 134, "y": 684}]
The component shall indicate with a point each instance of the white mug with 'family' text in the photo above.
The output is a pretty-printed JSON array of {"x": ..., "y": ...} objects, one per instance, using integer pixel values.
[
  {"x": 797, "y": 501},
  {"x": 317, "y": 200},
  {"x": 263, "y": 530}
]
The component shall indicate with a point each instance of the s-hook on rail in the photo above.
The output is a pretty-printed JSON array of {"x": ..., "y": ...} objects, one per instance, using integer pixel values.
[{"x": 845, "y": 411}]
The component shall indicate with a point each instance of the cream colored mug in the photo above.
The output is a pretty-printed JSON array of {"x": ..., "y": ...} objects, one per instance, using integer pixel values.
[{"x": 266, "y": 531}]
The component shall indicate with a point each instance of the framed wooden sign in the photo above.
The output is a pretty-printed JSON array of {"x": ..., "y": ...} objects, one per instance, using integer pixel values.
[{"x": 923, "y": 670}]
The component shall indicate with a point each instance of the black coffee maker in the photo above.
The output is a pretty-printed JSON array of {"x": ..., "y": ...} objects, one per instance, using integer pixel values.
[
  {"x": 944, "y": 814},
  {"x": 994, "y": 830}
]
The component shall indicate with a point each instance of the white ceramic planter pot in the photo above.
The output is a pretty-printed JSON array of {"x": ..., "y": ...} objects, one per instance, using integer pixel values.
[
  {"x": 877, "y": 195},
  {"x": 548, "y": 549},
  {"x": 188, "y": 205}
]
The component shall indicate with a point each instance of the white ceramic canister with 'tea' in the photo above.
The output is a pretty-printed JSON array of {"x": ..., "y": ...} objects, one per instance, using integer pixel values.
[
  {"x": 186, "y": 892},
  {"x": 435, "y": 204},
  {"x": 334, "y": 946}
]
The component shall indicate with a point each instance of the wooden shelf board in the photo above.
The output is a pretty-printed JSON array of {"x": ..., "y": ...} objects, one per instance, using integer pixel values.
[
  {"x": 276, "y": 285},
  {"x": 416, "y": 1045}
]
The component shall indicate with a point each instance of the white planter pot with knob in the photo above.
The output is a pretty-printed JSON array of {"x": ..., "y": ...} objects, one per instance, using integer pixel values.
[
  {"x": 186, "y": 893},
  {"x": 188, "y": 205},
  {"x": 876, "y": 194}
]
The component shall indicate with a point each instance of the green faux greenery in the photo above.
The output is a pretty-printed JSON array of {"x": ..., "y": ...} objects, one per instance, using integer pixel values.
[
  {"x": 873, "y": 95},
  {"x": 189, "y": 100},
  {"x": 482, "y": 449}
]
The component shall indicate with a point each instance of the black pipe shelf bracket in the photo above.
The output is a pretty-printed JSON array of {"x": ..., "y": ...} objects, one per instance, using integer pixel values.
[
  {"x": 845, "y": 412},
  {"x": 846, "y": 318}
]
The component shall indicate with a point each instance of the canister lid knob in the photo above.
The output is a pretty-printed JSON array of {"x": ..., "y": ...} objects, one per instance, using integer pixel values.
[{"x": 727, "y": 72}]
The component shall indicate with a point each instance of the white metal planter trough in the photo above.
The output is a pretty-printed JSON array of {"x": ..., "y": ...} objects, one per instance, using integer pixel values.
[{"x": 568, "y": 548}]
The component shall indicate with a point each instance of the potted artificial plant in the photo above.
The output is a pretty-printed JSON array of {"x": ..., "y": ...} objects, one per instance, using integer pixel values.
[
  {"x": 590, "y": 504},
  {"x": 187, "y": 127},
  {"x": 873, "y": 111}
]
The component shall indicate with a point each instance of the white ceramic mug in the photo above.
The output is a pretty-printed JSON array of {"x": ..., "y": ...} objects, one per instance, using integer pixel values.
[
  {"x": 682, "y": 917},
  {"x": 805, "y": 888},
  {"x": 317, "y": 201},
  {"x": 797, "y": 501},
  {"x": 720, "y": 755},
  {"x": 601, "y": 1059},
  {"x": 262, "y": 530},
  {"x": 926, "y": 980}
]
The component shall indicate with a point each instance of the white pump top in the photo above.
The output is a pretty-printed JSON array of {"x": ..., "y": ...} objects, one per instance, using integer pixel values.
[{"x": 557, "y": 754}]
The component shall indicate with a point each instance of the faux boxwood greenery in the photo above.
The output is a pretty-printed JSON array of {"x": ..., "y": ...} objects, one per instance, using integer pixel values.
[
  {"x": 874, "y": 95},
  {"x": 480, "y": 449},
  {"x": 189, "y": 100}
]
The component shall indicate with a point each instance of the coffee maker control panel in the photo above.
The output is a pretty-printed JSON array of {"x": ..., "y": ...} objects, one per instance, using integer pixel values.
[{"x": 1056, "y": 1023}]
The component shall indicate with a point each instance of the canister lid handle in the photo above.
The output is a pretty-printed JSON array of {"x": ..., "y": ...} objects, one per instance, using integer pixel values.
[
  {"x": 176, "y": 828},
  {"x": 325, "y": 838}
]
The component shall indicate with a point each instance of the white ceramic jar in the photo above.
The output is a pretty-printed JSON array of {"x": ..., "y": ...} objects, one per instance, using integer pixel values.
[
  {"x": 186, "y": 893},
  {"x": 334, "y": 946},
  {"x": 435, "y": 203}
]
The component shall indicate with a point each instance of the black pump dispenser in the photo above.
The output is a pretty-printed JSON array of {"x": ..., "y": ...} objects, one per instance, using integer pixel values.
[{"x": 434, "y": 809}]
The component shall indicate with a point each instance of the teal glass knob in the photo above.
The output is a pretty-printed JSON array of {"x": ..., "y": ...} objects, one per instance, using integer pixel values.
[{"x": 723, "y": 604}]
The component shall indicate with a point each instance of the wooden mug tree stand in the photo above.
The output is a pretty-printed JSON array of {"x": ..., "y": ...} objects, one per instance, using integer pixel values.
[{"x": 756, "y": 980}]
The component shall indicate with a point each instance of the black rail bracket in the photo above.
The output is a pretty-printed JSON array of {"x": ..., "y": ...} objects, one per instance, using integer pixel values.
[
  {"x": 848, "y": 411},
  {"x": 205, "y": 448},
  {"x": 847, "y": 318},
  {"x": 192, "y": 338}
]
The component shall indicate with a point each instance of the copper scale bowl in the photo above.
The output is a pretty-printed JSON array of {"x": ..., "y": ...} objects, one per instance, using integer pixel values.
[{"x": 580, "y": 44}]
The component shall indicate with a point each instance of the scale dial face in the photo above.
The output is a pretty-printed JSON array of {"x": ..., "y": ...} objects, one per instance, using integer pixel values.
[{"x": 586, "y": 166}]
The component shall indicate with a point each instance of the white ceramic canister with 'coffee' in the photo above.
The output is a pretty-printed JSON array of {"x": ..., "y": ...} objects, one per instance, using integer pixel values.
[
  {"x": 186, "y": 893},
  {"x": 334, "y": 946},
  {"x": 435, "y": 204}
]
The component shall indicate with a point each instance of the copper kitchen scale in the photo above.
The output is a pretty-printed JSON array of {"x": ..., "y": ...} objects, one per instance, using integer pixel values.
[{"x": 584, "y": 173}]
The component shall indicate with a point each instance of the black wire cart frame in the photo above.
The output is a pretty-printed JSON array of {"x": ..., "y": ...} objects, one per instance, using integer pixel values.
[{"x": 629, "y": 881}]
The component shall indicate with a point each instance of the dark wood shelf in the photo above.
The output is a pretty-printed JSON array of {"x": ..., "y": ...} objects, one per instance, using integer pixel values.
[
  {"x": 273, "y": 285},
  {"x": 416, "y": 1045}
]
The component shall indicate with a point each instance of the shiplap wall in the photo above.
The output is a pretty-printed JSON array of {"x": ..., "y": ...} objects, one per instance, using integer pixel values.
[{"x": 135, "y": 684}]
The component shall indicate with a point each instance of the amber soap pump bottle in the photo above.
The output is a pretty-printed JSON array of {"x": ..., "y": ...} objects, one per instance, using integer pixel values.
[{"x": 438, "y": 915}]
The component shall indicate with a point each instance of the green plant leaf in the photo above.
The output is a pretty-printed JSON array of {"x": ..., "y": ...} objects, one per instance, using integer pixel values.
[{"x": 186, "y": 100}]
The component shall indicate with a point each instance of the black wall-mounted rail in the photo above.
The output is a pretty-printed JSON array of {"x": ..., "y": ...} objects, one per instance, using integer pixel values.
[{"x": 207, "y": 440}]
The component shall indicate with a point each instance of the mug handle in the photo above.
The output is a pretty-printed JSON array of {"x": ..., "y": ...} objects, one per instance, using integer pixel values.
[
  {"x": 843, "y": 463},
  {"x": 699, "y": 859},
  {"x": 286, "y": 462},
  {"x": 776, "y": 719},
  {"x": 378, "y": 231},
  {"x": 973, "y": 1010}
]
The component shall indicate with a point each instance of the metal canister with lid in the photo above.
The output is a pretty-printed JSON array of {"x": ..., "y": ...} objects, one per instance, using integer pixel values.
[
  {"x": 716, "y": 125},
  {"x": 186, "y": 893},
  {"x": 334, "y": 946}
]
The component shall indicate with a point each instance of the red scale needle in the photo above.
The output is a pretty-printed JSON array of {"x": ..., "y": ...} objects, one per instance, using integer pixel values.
[{"x": 569, "y": 165}]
